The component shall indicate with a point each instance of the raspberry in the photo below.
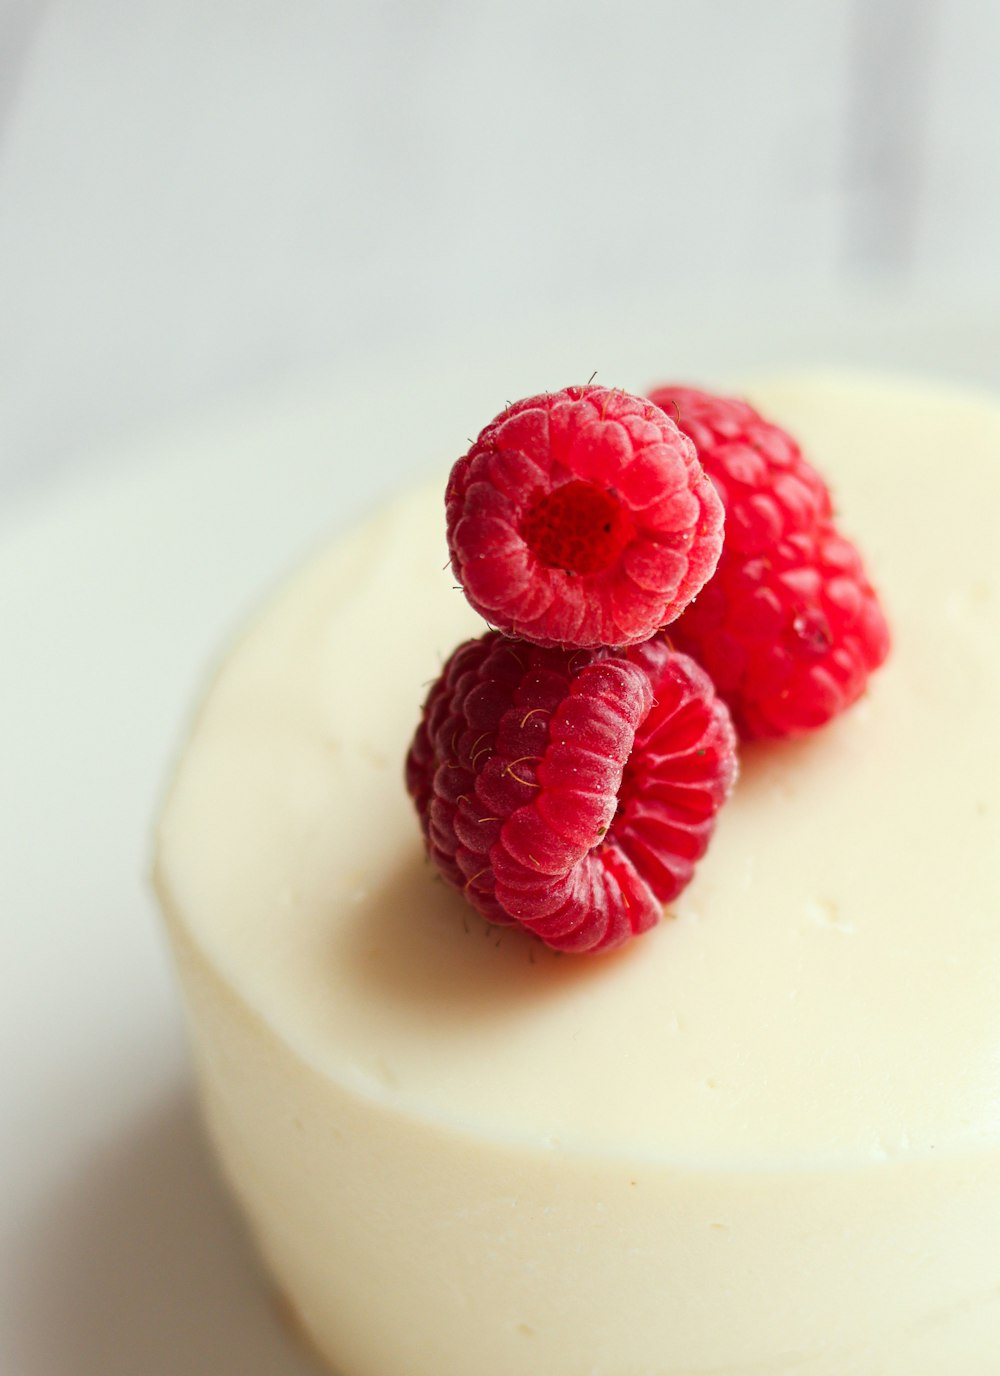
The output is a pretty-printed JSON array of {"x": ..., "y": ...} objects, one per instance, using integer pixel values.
[
  {"x": 582, "y": 518},
  {"x": 789, "y": 628},
  {"x": 570, "y": 791}
]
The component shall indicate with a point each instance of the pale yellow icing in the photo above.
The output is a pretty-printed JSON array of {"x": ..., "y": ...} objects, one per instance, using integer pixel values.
[{"x": 765, "y": 1137}]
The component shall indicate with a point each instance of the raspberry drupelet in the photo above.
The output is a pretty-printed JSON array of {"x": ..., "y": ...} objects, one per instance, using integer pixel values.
[
  {"x": 789, "y": 627},
  {"x": 570, "y": 791},
  {"x": 582, "y": 518}
]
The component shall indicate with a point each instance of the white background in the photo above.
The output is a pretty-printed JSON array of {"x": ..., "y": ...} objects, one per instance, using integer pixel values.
[{"x": 199, "y": 198}]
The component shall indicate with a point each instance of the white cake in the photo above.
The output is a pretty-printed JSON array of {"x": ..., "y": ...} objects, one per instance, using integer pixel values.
[{"x": 764, "y": 1139}]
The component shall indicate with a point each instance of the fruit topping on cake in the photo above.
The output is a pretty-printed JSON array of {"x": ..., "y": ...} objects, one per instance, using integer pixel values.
[
  {"x": 570, "y": 791},
  {"x": 789, "y": 627},
  {"x": 569, "y": 764},
  {"x": 583, "y": 518}
]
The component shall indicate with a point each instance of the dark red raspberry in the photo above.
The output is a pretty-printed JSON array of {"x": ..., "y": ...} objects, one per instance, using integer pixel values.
[
  {"x": 570, "y": 791},
  {"x": 582, "y": 518},
  {"x": 789, "y": 627}
]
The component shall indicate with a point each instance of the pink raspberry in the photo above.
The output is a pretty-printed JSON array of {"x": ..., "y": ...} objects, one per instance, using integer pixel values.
[
  {"x": 789, "y": 627},
  {"x": 582, "y": 518},
  {"x": 570, "y": 791}
]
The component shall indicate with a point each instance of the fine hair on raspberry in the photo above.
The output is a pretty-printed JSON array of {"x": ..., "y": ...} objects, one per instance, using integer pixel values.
[
  {"x": 570, "y": 791},
  {"x": 789, "y": 627},
  {"x": 582, "y": 518}
]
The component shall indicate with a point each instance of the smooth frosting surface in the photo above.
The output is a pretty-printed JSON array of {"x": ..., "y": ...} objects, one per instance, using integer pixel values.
[{"x": 825, "y": 991}]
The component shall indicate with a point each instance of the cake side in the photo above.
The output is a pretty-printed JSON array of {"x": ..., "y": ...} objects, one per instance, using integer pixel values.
[
  {"x": 404, "y": 1245},
  {"x": 763, "y": 1138}
]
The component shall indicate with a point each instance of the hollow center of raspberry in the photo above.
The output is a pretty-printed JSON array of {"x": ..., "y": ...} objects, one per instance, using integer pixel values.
[{"x": 579, "y": 527}]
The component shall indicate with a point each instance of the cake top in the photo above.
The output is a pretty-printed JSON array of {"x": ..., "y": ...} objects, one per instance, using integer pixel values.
[{"x": 826, "y": 988}]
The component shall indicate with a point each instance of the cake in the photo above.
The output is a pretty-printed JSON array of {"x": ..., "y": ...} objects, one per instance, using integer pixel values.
[{"x": 762, "y": 1138}]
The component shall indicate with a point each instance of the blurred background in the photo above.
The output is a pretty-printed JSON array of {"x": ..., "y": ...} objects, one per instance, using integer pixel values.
[{"x": 200, "y": 199}]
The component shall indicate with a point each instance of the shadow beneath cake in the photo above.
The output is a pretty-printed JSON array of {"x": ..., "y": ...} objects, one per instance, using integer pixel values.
[
  {"x": 415, "y": 940},
  {"x": 138, "y": 1266}
]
